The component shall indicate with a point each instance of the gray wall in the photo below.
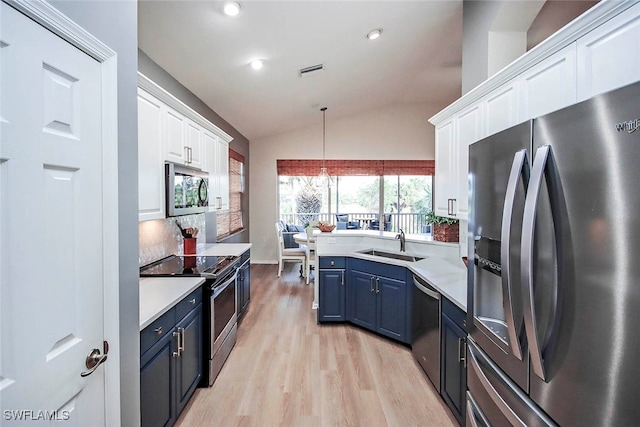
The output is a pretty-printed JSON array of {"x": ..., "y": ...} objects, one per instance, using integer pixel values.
[
  {"x": 477, "y": 18},
  {"x": 240, "y": 144},
  {"x": 115, "y": 23}
]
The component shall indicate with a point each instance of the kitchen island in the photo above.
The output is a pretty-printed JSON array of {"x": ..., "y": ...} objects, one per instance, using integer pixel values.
[{"x": 440, "y": 265}]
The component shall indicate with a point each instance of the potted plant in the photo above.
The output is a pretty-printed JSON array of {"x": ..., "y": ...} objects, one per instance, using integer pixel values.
[{"x": 444, "y": 229}]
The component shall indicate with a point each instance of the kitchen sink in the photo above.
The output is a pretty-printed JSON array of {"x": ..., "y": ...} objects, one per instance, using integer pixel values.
[{"x": 394, "y": 255}]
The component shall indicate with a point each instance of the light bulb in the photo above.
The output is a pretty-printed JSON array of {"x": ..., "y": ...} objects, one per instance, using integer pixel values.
[
  {"x": 257, "y": 64},
  {"x": 231, "y": 8}
]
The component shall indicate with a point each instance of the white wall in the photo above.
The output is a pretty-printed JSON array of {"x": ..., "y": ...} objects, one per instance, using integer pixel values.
[{"x": 400, "y": 132}]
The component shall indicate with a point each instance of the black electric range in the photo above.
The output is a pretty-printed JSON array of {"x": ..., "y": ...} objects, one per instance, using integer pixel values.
[{"x": 211, "y": 267}]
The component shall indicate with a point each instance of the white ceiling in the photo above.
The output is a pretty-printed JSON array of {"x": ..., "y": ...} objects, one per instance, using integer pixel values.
[{"x": 416, "y": 60}]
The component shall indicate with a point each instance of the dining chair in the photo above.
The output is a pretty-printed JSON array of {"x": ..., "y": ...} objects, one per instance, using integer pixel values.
[{"x": 290, "y": 254}]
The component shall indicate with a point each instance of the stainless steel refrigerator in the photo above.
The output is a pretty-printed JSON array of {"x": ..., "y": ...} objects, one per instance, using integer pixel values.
[{"x": 554, "y": 289}]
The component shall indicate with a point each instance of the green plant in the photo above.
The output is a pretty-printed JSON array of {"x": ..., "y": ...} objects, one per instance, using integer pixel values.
[{"x": 432, "y": 218}]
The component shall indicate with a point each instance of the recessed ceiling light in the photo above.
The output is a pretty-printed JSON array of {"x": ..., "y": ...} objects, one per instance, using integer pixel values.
[
  {"x": 231, "y": 8},
  {"x": 257, "y": 64},
  {"x": 374, "y": 34}
]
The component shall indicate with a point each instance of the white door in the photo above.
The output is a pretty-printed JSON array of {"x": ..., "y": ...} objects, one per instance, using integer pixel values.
[{"x": 51, "y": 246}]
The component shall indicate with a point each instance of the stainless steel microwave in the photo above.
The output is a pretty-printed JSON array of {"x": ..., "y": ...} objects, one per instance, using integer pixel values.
[{"x": 187, "y": 190}]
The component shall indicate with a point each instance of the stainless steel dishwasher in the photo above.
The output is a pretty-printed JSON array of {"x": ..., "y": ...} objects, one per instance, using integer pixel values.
[{"x": 426, "y": 329}]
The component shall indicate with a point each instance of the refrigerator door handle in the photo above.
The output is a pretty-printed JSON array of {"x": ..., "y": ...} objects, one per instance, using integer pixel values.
[
  {"x": 528, "y": 229},
  {"x": 519, "y": 168},
  {"x": 492, "y": 392}
]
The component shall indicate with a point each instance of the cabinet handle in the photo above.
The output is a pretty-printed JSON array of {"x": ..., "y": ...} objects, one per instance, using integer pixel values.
[
  {"x": 193, "y": 301},
  {"x": 342, "y": 276},
  {"x": 462, "y": 351},
  {"x": 180, "y": 336},
  {"x": 371, "y": 284},
  {"x": 190, "y": 155},
  {"x": 219, "y": 200},
  {"x": 158, "y": 330},
  {"x": 177, "y": 335},
  {"x": 377, "y": 285},
  {"x": 186, "y": 155}
]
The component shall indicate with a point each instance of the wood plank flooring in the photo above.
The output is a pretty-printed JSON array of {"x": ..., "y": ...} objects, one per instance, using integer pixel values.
[{"x": 287, "y": 370}]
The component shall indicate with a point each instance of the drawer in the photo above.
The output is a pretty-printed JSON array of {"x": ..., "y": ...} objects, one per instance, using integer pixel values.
[
  {"x": 332, "y": 262},
  {"x": 189, "y": 303},
  {"x": 454, "y": 313},
  {"x": 155, "y": 331},
  {"x": 379, "y": 269}
]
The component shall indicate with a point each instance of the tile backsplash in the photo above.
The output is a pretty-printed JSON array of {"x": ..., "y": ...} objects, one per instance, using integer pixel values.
[{"x": 161, "y": 237}]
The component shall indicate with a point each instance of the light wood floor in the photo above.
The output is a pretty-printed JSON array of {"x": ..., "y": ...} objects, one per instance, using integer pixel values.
[{"x": 287, "y": 370}]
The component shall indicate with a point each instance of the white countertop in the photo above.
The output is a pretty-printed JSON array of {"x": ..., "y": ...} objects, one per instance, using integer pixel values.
[
  {"x": 446, "y": 274},
  {"x": 221, "y": 249},
  {"x": 159, "y": 294}
]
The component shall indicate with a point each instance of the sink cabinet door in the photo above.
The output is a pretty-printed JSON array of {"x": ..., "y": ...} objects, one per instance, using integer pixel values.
[
  {"x": 189, "y": 364},
  {"x": 157, "y": 406},
  {"x": 392, "y": 307},
  {"x": 331, "y": 295},
  {"x": 362, "y": 301}
]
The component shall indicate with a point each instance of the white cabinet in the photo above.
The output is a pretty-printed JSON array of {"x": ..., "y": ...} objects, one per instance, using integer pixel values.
[
  {"x": 182, "y": 139},
  {"x": 609, "y": 56},
  {"x": 445, "y": 186},
  {"x": 452, "y": 161},
  {"x": 217, "y": 164},
  {"x": 170, "y": 131},
  {"x": 194, "y": 144},
  {"x": 469, "y": 129},
  {"x": 549, "y": 85},
  {"x": 151, "y": 203},
  {"x": 501, "y": 107}
]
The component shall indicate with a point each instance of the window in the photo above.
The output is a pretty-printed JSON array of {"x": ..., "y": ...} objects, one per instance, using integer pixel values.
[
  {"x": 400, "y": 190},
  {"x": 229, "y": 222}
]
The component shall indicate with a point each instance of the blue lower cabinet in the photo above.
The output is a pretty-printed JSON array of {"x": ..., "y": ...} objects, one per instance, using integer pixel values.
[
  {"x": 453, "y": 363},
  {"x": 369, "y": 294},
  {"x": 331, "y": 295},
  {"x": 171, "y": 365},
  {"x": 157, "y": 374},
  {"x": 378, "y": 299},
  {"x": 362, "y": 299},
  {"x": 189, "y": 364},
  {"x": 392, "y": 308}
]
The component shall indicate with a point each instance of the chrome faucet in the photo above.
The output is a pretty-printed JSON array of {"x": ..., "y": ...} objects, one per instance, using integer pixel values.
[{"x": 402, "y": 241}]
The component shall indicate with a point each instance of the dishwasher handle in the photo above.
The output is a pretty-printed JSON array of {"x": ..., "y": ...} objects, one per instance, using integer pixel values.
[{"x": 425, "y": 289}]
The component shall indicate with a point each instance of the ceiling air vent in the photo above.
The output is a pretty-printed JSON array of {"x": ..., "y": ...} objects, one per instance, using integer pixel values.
[{"x": 314, "y": 69}]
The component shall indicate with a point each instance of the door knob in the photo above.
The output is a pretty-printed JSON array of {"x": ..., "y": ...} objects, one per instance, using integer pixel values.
[{"x": 95, "y": 359}]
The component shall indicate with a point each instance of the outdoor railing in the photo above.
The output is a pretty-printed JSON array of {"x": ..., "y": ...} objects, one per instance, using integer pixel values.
[{"x": 410, "y": 223}]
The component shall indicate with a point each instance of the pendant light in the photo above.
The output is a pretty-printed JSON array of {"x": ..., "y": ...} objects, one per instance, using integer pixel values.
[{"x": 324, "y": 179}]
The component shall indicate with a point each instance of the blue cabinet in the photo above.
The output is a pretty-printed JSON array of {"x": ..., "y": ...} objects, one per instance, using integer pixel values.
[
  {"x": 243, "y": 283},
  {"x": 378, "y": 298},
  {"x": 171, "y": 361},
  {"x": 331, "y": 289},
  {"x": 453, "y": 370},
  {"x": 362, "y": 299}
]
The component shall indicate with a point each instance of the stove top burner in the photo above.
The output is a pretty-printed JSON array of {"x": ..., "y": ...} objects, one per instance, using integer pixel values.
[{"x": 189, "y": 266}]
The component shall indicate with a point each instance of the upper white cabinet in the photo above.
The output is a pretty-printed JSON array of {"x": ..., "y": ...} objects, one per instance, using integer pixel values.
[
  {"x": 469, "y": 129},
  {"x": 549, "y": 85},
  {"x": 501, "y": 106},
  {"x": 169, "y": 131},
  {"x": 609, "y": 56},
  {"x": 217, "y": 164},
  {"x": 183, "y": 139},
  {"x": 597, "y": 52},
  {"x": 194, "y": 149},
  {"x": 445, "y": 191},
  {"x": 222, "y": 175},
  {"x": 150, "y": 158}
]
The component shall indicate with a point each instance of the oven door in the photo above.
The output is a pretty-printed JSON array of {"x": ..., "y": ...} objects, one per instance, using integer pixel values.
[{"x": 223, "y": 310}]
